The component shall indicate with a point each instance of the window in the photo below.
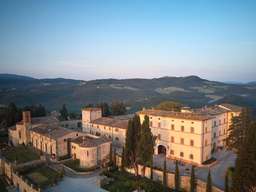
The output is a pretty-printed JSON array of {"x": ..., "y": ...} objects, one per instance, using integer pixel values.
[
  {"x": 104, "y": 127},
  {"x": 214, "y": 135},
  {"x": 205, "y": 142},
  {"x": 172, "y": 152},
  {"x": 159, "y": 136},
  {"x": 182, "y": 121},
  {"x": 181, "y": 154},
  {"x": 205, "y": 129},
  {"x": 172, "y": 139},
  {"x": 182, "y": 128},
  {"x": 192, "y": 142},
  {"x": 98, "y": 126},
  {"x": 192, "y": 129},
  {"x": 159, "y": 124},
  {"x": 215, "y": 124},
  {"x": 87, "y": 152},
  {"x": 192, "y": 122},
  {"x": 117, "y": 139},
  {"x": 158, "y": 118},
  {"x": 224, "y": 120},
  {"x": 219, "y": 122},
  {"x": 151, "y": 124},
  {"x": 172, "y": 126},
  {"x": 116, "y": 129},
  {"x": 191, "y": 156},
  {"x": 219, "y": 133},
  {"x": 182, "y": 141},
  {"x": 20, "y": 134}
]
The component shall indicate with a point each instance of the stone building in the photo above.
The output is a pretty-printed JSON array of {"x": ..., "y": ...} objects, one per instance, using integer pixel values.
[
  {"x": 91, "y": 150},
  {"x": 113, "y": 128},
  {"x": 52, "y": 140},
  {"x": 190, "y": 135}
]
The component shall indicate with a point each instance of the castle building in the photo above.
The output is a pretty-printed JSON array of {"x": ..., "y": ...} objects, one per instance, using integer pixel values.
[
  {"x": 113, "y": 128},
  {"x": 44, "y": 134},
  {"x": 92, "y": 151},
  {"x": 190, "y": 135}
]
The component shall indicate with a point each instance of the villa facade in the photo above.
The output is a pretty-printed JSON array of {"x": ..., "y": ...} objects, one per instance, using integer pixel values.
[{"x": 190, "y": 135}]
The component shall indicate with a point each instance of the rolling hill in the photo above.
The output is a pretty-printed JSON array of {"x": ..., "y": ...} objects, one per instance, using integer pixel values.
[{"x": 191, "y": 90}]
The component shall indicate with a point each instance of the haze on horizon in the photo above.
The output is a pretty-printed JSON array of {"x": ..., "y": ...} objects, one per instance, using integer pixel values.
[{"x": 124, "y": 39}]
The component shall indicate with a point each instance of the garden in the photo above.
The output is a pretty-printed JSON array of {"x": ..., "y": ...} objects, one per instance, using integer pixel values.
[
  {"x": 120, "y": 181},
  {"x": 21, "y": 154}
]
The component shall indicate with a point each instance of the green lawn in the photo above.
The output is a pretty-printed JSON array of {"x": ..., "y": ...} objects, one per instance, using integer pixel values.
[
  {"x": 125, "y": 182},
  {"x": 21, "y": 154},
  {"x": 75, "y": 165},
  {"x": 43, "y": 176}
]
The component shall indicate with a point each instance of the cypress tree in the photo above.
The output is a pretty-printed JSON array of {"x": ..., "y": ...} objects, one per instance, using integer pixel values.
[
  {"x": 131, "y": 143},
  {"x": 209, "y": 182},
  {"x": 146, "y": 144},
  {"x": 122, "y": 160},
  {"x": 226, "y": 183},
  {"x": 177, "y": 177},
  {"x": 192, "y": 180},
  {"x": 165, "y": 177},
  {"x": 64, "y": 112}
]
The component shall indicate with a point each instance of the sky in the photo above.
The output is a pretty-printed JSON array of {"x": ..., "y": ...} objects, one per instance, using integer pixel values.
[{"x": 214, "y": 39}]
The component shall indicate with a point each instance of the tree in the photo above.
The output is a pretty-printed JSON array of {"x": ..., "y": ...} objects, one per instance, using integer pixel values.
[
  {"x": 238, "y": 129},
  {"x": 165, "y": 177},
  {"x": 192, "y": 180},
  {"x": 118, "y": 108},
  {"x": 13, "y": 114},
  {"x": 122, "y": 160},
  {"x": 242, "y": 139},
  {"x": 131, "y": 143},
  {"x": 245, "y": 166},
  {"x": 226, "y": 183},
  {"x": 105, "y": 109},
  {"x": 209, "y": 182},
  {"x": 145, "y": 144},
  {"x": 169, "y": 106},
  {"x": 64, "y": 112},
  {"x": 177, "y": 177}
]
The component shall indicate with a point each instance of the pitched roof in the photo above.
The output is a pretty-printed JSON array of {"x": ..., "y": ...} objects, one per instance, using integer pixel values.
[
  {"x": 112, "y": 122},
  {"x": 176, "y": 115},
  {"x": 87, "y": 141},
  {"x": 92, "y": 109},
  {"x": 231, "y": 107},
  {"x": 51, "y": 131}
]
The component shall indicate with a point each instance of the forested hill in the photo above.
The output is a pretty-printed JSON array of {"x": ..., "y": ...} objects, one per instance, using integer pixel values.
[{"x": 191, "y": 90}]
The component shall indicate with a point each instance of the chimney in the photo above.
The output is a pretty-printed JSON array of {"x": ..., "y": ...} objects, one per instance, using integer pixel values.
[{"x": 26, "y": 117}]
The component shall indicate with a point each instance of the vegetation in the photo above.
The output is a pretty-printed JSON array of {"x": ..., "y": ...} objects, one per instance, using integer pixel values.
[
  {"x": 192, "y": 180},
  {"x": 146, "y": 144},
  {"x": 2, "y": 185},
  {"x": 169, "y": 106},
  {"x": 177, "y": 177},
  {"x": 75, "y": 165},
  {"x": 132, "y": 143},
  {"x": 11, "y": 114},
  {"x": 209, "y": 182},
  {"x": 43, "y": 176},
  {"x": 125, "y": 182},
  {"x": 165, "y": 177},
  {"x": 242, "y": 140},
  {"x": 106, "y": 110},
  {"x": 118, "y": 108},
  {"x": 21, "y": 154},
  {"x": 64, "y": 113}
]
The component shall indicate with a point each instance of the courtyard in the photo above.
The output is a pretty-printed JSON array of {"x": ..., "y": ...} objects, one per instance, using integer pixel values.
[{"x": 224, "y": 160}]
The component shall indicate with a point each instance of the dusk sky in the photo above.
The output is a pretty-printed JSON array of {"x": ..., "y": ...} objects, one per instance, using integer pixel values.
[{"x": 214, "y": 39}]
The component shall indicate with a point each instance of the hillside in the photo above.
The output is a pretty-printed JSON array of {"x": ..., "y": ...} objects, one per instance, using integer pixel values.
[{"x": 191, "y": 90}]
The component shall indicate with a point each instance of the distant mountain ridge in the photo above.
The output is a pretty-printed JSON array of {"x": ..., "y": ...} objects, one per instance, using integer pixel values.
[{"x": 191, "y": 90}]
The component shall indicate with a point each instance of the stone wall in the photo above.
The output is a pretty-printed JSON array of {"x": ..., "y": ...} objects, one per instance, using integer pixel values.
[
  {"x": 18, "y": 181},
  {"x": 158, "y": 176}
]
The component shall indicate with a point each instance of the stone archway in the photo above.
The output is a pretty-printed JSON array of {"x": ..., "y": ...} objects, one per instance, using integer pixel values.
[{"x": 161, "y": 149}]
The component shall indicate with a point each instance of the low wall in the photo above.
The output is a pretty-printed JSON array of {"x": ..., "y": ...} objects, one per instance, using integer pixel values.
[
  {"x": 158, "y": 176},
  {"x": 8, "y": 170}
]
